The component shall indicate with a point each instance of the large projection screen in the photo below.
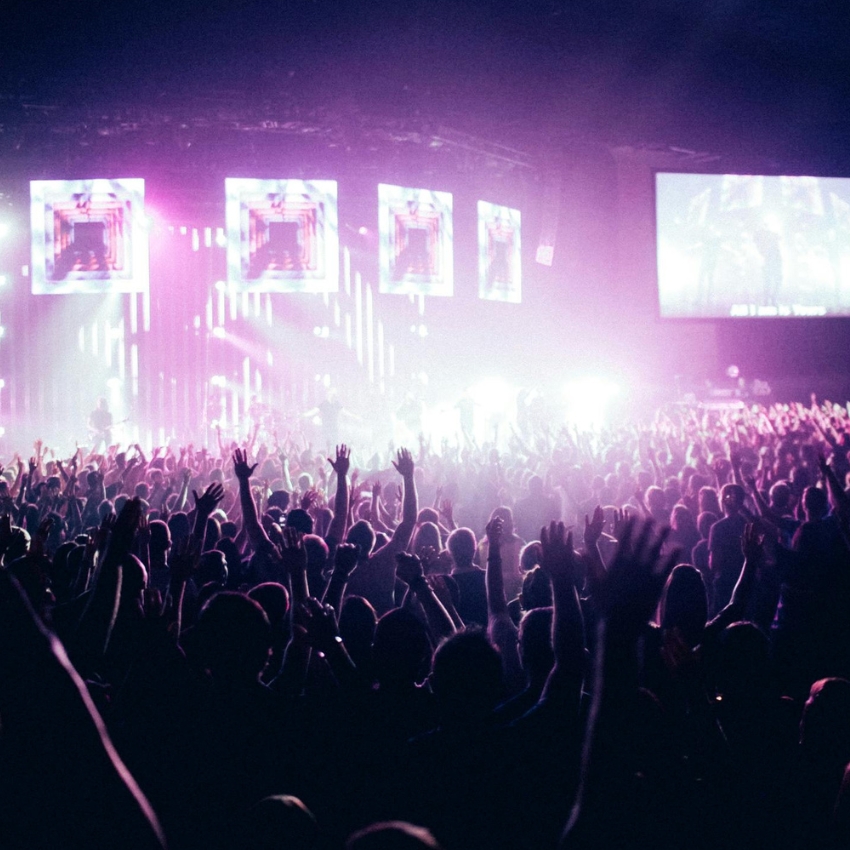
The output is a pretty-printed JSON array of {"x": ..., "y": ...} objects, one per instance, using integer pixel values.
[
  {"x": 88, "y": 236},
  {"x": 282, "y": 235},
  {"x": 416, "y": 241},
  {"x": 742, "y": 245}
]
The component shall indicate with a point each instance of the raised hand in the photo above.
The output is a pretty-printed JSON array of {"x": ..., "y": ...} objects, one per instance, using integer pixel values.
[
  {"x": 309, "y": 499},
  {"x": 241, "y": 469},
  {"x": 620, "y": 524},
  {"x": 404, "y": 463},
  {"x": 593, "y": 527},
  {"x": 208, "y": 502},
  {"x": 558, "y": 559},
  {"x": 342, "y": 463},
  {"x": 752, "y": 542},
  {"x": 292, "y": 552},
  {"x": 408, "y": 568},
  {"x": 319, "y": 623},
  {"x": 447, "y": 511},
  {"x": 631, "y": 588},
  {"x": 345, "y": 559}
]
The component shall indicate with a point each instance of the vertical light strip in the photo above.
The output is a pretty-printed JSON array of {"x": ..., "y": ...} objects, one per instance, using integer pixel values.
[
  {"x": 370, "y": 335},
  {"x": 358, "y": 316}
]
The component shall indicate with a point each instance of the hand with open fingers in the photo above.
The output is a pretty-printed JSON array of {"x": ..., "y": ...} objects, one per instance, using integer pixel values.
[
  {"x": 241, "y": 469},
  {"x": 208, "y": 502},
  {"x": 558, "y": 558},
  {"x": 752, "y": 542},
  {"x": 404, "y": 463},
  {"x": 343, "y": 461},
  {"x": 292, "y": 552},
  {"x": 593, "y": 527},
  {"x": 319, "y": 622},
  {"x": 629, "y": 592}
]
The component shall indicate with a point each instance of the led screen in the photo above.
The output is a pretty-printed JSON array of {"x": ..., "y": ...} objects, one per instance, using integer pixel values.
[
  {"x": 88, "y": 236},
  {"x": 282, "y": 235},
  {"x": 736, "y": 245},
  {"x": 415, "y": 250},
  {"x": 499, "y": 255}
]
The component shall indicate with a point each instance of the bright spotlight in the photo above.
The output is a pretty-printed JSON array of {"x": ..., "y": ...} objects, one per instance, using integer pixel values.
[
  {"x": 219, "y": 332},
  {"x": 4, "y": 229},
  {"x": 3, "y": 280},
  {"x": 218, "y": 381},
  {"x": 587, "y": 400}
]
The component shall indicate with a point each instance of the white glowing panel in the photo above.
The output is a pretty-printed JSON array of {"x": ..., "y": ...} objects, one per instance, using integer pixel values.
[
  {"x": 282, "y": 235},
  {"x": 499, "y": 253},
  {"x": 740, "y": 245},
  {"x": 415, "y": 247},
  {"x": 88, "y": 236}
]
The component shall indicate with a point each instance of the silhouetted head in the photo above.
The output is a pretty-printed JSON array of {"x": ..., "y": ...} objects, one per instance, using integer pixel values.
[
  {"x": 535, "y": 642},
  {"x": 466, "y": 677},
  {"x": 536, "y": 590},
  {"x": 234, "y": 637},
  {"x": 363, "y": 535},
  {"x": 275, "y": 823},
  {"x": 392, "y": 835},
  {"x": 732, "y": 497},
  {"x": 815, "y": 503},
  {"x": 274, "y": 599},
  {"x": 462, "y": 545},
  {"x": 401, "y": 649},
  {"x": 300, "y": 520},
  {"x": 683, "y": 603}
]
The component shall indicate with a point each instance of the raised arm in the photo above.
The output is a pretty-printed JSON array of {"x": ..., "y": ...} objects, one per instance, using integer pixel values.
[
  {"x": 250, "y": 523},
  {"x": 558, "y": 561},
  {"x": 340, "y": 466},
  {"x": 409, "y": 571},
  {"x": 500, "y": 627},
  {"x": 71, "y": 788},
  {"x": 401, "y": 536}
]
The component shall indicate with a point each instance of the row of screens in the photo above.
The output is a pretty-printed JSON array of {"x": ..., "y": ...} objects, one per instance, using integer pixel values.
[
  {"x": 736, "y": 245},
  {"x": 282, "y": 236}
]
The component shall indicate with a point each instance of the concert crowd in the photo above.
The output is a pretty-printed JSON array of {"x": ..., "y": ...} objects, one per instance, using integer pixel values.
[{"x": 630, "y": 637}]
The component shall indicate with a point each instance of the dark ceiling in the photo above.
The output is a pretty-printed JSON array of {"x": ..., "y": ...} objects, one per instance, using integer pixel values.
[{"x": 765, "y": 81}]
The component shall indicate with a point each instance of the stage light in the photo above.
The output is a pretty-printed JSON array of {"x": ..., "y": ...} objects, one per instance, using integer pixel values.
[
  {"x": 4, "y": 229},
  {"x": 221, "y": 286},
  {"x": 363, "y": 231},
  {"x": 219, "y": 332},
  {"x": 2, "y": 383},
  {"x": 587, "y": 400},
  {"x": 114, "y": 383},
  {"x": 2, "y": 331},
  {"x": 3, "y": 280},
  {"x": 218, "y": 381}
]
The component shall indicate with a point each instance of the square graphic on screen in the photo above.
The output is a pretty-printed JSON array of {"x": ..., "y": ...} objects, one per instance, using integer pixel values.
[
  {"x": 88, "y": 236},
  {"x": 282, "y": 235},
  {"x": 741, "y": 245},
  {"x": 499, "y": 253},
  {"x": 415, "y": 248}
]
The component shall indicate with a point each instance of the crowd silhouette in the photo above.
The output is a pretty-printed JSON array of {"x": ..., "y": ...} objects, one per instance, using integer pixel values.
[{"x": 623, "y": 638}]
